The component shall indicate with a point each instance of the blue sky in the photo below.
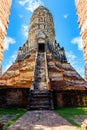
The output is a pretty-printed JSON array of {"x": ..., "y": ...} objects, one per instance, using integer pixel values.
[{"x": 65, "y": 23}]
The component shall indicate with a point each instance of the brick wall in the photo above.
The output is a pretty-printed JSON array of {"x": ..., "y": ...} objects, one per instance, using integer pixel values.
[
  {"x": 70, "y": 98},
  {"x": 81, "y": 9},
  {"x": 17, "y": 97},
  {"x": 5, "y": 6}
]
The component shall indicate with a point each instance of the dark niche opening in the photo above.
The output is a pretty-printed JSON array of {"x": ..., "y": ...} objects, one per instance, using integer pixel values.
[{"x": 41, "y": 47}]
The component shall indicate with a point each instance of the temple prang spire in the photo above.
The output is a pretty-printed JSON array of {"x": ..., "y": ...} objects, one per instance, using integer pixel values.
[{"x": 41, "y": 70}]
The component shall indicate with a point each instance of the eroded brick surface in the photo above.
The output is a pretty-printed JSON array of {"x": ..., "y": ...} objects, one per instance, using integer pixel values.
[{"x": 4, "y": 13}]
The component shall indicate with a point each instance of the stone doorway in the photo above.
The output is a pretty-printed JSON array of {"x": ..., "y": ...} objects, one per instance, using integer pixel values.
[{"x": 41, "y": 47}]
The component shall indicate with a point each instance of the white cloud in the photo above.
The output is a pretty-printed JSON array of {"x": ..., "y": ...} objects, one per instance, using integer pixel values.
[
  {"x": 71, "y": 57},
  {"x": 78, "y": 41},
  {"x": 65, "y": 16},
  {"x": 20, "y": 16},
  {"x": 30, "y": 5},
  {"x": 11, "y": 60},
  {"x": 23, "y": 2},
  {"x": 13, "y": 57},
  {"x": 75, "y": 62},
  {"x": 25, "y": 30},
  {"x": 8, "y": 41},
  {"x": 80, "y": 70}
]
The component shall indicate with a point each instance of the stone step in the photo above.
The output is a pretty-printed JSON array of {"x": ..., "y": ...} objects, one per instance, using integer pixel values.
[
  {"x": 40, "y": 99},
  {"x": 42, "y": 104},
  {"x": 40, "y": 91},
  {"x": 40, "y": 72},
  {"x": 40, "y": 107},
  {"x": 40, "y": 77},
  {"x": 41, "y": 85},
  {"x": 40, "y": 95},
  {"x": 40, "y": 80},
  {"x": 43, "y": 97}
]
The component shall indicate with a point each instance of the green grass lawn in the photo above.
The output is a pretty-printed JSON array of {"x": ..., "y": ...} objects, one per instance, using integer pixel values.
[
  {"x": 70, "y": 114},
  {"x": 18, "y": 112}
]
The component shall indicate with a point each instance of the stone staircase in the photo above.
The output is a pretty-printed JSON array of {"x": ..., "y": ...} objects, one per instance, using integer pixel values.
[
  {"x": 39, "y": 97},
  {"x": 40, "y": 100},
  {"x": 40, "y": 81}
]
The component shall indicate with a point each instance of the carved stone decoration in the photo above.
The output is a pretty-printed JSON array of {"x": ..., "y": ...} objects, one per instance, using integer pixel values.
[
  {"x": 39, "y": 26},
  {"x": 41, "y": 34}
]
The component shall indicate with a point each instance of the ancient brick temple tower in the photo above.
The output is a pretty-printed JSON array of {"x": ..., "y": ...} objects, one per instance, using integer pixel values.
[{"x": 41, "y": 66}]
